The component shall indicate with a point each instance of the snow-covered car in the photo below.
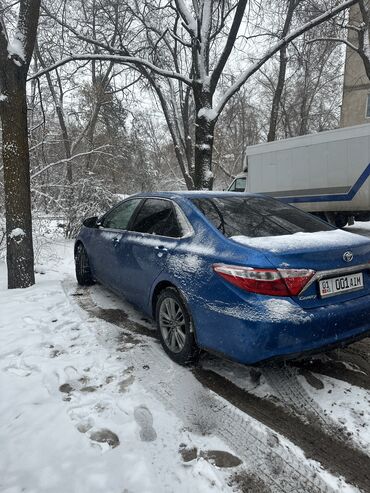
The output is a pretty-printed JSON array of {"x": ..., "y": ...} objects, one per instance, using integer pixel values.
[{"x": 241, "y": 275}]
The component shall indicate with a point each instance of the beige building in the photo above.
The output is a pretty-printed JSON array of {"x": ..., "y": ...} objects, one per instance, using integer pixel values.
[{"x": 356, "y": 89}]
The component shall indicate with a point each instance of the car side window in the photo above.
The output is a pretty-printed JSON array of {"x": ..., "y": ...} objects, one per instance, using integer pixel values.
[
  {"x": 257, "y": 217},
  {"x": 120, "y": 216},
  {"x": 157, "y": 217}
]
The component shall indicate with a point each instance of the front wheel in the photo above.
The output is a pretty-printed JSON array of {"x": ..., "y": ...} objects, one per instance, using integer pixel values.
[
  {"x": 83, "y": 272},
  {"x": 175, "y": 327}
]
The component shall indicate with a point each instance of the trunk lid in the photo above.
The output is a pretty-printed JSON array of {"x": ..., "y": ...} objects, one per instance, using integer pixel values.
[{"x": 322, "y": 251}]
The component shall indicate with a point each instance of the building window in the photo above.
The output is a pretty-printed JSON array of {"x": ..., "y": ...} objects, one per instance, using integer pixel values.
[{"x": 368, "y": 107}]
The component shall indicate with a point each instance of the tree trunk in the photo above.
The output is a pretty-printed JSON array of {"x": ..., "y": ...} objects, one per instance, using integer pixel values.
[
  {"x": 204, "y": 134},
  {"x": 292, "y": 5},
  {"x": 20, "y": 259},
  {"x": 277, "y": 96},
  {"x": 205, "y": 122},
  {"x": 13, "y": 112}
]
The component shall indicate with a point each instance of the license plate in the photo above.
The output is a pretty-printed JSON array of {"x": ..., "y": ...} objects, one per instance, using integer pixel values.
[{"x": 342, "y": 284}]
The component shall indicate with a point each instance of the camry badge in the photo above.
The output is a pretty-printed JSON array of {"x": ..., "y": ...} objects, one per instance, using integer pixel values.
[{"x": 348, "y": 256}]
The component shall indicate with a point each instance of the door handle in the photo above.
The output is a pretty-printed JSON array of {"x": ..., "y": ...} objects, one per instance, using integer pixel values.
[
  {"x": 115, "y": 241},
  {"x": 160, "y": 250}
]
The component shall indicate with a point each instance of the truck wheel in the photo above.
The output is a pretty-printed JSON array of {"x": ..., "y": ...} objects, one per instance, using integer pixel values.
[
  {"x": 341, "y": 220},
  {"x": 336, "y": 219}
]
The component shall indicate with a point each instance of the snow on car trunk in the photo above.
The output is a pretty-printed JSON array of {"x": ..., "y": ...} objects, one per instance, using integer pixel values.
[{"x": 319, "y": 251}]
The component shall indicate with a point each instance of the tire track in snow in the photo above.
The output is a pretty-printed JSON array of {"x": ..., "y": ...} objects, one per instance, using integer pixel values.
[
  {"x": 276, "y": 461},
  {"x": 204, "y": 411},
  {"x": 283, "y": 380},
  {"x": 334, "y": 454}
]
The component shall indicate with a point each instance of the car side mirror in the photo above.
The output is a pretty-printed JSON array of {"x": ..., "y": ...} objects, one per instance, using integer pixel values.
[{"x": 91, "y": 222}]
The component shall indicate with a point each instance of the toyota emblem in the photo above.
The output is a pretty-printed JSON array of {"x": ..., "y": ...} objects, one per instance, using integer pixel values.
[{"x": 348, "y": 256}]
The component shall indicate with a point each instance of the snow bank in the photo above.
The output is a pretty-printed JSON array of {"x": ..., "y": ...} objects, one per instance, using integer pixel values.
[{"x": 303, "y": 241}]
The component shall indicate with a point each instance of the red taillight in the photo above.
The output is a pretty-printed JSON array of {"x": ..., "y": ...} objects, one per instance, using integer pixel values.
[{"x": 274, "y": 282}]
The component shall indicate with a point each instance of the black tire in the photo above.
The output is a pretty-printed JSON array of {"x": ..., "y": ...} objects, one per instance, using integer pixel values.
[
  {"x": 336, "y": 219},
  {"x": 187, "y": 352},
  {"x": 83, "y": 271},
  {"x": 341, "y": 221}
]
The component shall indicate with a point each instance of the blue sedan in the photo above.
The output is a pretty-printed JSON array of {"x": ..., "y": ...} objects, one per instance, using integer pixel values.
[{"x": 241, "y": 275}]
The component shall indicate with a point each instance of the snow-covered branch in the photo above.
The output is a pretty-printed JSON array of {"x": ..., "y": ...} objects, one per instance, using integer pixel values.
[
  {"x": 238, "y": 16},
  {"x": 274, "y": 49},
  {"x": 129, "y": 60},
  {"x": 28, "y": 19},
  {"x": 189, "y": 21},
  {"x": 67, "y": 160},
  {"x": 335, "y": 40}
]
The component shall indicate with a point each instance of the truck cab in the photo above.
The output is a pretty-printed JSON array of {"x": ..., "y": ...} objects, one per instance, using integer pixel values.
[{"x": 239, "y": 184}]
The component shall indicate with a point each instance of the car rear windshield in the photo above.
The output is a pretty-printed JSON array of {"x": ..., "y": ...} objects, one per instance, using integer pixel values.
[{"x": 257, "y": 217}]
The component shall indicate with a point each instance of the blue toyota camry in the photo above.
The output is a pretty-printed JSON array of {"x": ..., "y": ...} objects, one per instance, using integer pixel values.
[{"x": 241, "y": 275}]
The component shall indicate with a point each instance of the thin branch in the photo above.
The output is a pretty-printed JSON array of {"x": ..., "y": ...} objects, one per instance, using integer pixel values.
[
  {"x": 67, "y": 160},
  {"x": 336, "y": 40},
  {"x": 229, "y": 43},
  {"x": 283, "y": 42},
  {"x": 139, "y": 62}
]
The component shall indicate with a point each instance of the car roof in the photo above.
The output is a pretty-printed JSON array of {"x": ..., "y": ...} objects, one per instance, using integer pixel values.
[{"x": 194, "y": 194}]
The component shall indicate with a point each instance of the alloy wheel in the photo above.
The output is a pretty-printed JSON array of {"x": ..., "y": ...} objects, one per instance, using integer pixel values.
[{"x": 172, "y": 325}]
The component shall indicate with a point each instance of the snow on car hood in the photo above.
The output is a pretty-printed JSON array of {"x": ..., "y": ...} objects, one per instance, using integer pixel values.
[{"x": 303, "y": 241}]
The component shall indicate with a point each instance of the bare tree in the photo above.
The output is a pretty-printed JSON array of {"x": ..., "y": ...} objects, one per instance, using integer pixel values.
[
  {"x": 357, "y": 36},
  {"x": 184, "y": 59},
  {"x": 15, "y": 57},
  {"x": 278, "y": 91}
]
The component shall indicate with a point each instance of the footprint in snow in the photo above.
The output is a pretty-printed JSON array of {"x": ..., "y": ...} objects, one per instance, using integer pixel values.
[
  {"x": 144, "y": 419},
  {"x": 219, "y": 458},
  {"x": 19, "y": 372},
  {"x": 104, "y": 436},
  {"x": 124, "y": 384}
]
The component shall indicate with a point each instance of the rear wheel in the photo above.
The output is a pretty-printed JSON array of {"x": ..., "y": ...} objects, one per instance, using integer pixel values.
[
  {"x": 83, "y": 272},
  {"x": 341, "y": 220},
  {"x": 336, "y": 219},
  {"x": 175, "y": 327}
]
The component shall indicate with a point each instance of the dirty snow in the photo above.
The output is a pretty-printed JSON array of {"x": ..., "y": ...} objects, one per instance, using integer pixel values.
[
  {"x": 270, "y": 310},
  {"x": 347, "y": 405}
]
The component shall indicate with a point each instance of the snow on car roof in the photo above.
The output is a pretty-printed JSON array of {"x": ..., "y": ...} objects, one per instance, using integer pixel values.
[{"x": 196, "y": 194}]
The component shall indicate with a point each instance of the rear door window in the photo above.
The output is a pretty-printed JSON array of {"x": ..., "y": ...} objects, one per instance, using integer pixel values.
[
  {"x": 257, "y": 217},
  {"x": 120, "y": 216},
  {"x": 157, "y": 217}
]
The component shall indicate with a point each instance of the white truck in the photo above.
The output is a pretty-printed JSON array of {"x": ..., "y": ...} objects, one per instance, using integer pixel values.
[{"x": 325, "y": 173}]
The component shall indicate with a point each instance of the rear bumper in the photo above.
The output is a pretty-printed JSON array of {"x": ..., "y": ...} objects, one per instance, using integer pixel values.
[{"x": 262, "y": 328}]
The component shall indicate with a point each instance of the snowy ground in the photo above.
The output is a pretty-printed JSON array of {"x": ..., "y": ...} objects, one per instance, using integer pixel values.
[{"x": 90, "y": 403}]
